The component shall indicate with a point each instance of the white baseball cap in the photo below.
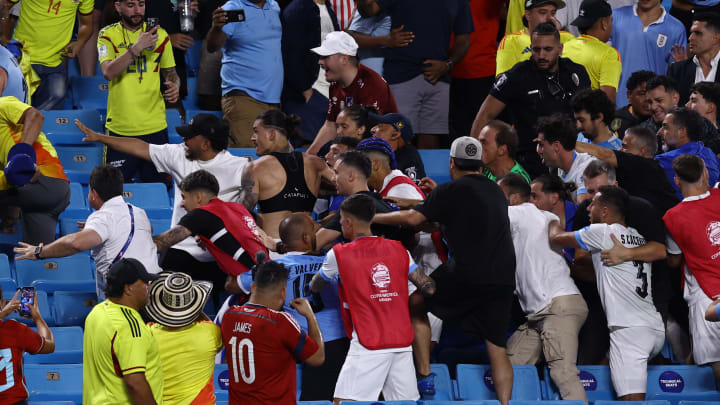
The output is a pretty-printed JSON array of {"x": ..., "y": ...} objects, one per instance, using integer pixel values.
[
  {"x": 337, "y": 42},
  {"x": 466, "y": 148}
]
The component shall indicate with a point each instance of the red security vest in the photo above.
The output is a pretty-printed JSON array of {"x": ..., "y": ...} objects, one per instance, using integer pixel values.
[
  {"x": 695, "y": 227},
  {"x": 374, "y": 286},
  {"x": 241, "y": 225},
  {"x": 399, "y": 180}
]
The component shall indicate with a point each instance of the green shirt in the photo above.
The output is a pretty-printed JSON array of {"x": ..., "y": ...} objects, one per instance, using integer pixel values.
[{"x": 517, "y": 169}]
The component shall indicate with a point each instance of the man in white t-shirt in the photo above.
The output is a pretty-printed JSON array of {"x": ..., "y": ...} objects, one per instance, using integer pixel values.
[
  {"x": 555, "y": 309},
  {"x": 637, "y": 332},
  {"x": 556, "y": 146},
  {"x": 204, "y": 146},
  {"x": 115, "y": 230}
]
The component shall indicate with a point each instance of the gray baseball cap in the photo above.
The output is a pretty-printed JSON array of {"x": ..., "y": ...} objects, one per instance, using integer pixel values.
[{"x": 466, "y": 148}]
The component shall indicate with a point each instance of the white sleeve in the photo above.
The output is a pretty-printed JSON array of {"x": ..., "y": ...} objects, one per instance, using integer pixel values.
[
  {"x": 672, "y": 246},
  {"x": 412, "y": 266},
  {"x": 166, "y": 157},
  {"x": 100, "y": 222},
  {"x": 593, "y": 238},
  {"x": 549, "y": 217},
  {"x": 330, "y": 270},
  {"x": 405, "y": 191}
]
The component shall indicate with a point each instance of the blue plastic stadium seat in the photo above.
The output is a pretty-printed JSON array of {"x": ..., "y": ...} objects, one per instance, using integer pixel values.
[
  {"x": 54, "y": 382},
  {"x": 676, "y": 383},
  {"x": 72, "y": 307},
  {"x": 72, "y": 268},
  {"x": 9, "y": 286},
  {"x": 192, "y": 113},
  {"x": 558, "y": 402},
  {"x": 595, "y": 379},
  {"x": 152, "y": 197},
  {"x": 475, "y": 382},
  {"x": 160, "y": 225},
  {"x": 699, "y": 403},
  {"x": 314, "y": 403},
  {"x": 12, "y": 238},
  {"x": 192, "y": 59},
  {"x": 378, "y": 403},
  {"x": 472, "y": 402},
  {"x": 6, "y": 271},
  {"x": 78, "y": 207},
  {"x": 173, "y": 119},
  {"x": 44, "y": 307},
  {"x": 68, "y": 348},
  {"x": 69, "y": 223},
  {"x": 79, "y": 160},
  {"x": 222, "y": 382},
  {"x": 59, "y": 125},
  {"x": 243, "y": 152},
  {"x": 191, "y": 101},
  {"x": 602, "y": 402},
  {"x": 437, "y": 164},
  {"x": 90, "y": 93},
  {"x": 443, "y": 383}
]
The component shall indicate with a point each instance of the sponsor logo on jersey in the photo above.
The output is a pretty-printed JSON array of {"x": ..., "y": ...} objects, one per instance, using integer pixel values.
[
  {"x": 713, "y": 233},
  {"x": 526, "y": 50},
  {"x": 380, "y": 275}
]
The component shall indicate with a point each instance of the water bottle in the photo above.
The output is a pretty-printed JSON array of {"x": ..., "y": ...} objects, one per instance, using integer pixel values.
[{"x": 187, "y": 22}]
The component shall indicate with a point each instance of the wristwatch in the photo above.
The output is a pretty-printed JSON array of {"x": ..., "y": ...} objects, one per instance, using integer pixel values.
[{"x": 38, "y": 249}]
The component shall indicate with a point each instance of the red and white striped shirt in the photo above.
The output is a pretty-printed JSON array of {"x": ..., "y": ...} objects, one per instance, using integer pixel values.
[{"x": 344, "y": 10}]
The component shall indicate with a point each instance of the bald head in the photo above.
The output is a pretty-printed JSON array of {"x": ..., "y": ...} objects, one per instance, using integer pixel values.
[{"x": 297, "y": 232}]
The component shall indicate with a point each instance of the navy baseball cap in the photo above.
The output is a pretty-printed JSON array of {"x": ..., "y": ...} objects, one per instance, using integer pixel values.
[
  {"x": 20, "y": 166},
  {"x": 591, "y": 11},
  {"x": 210, "y": 126},
  {"x": 380, "y": 145},
  {"x": 398, "y": 121},
  {"x": 127, "y": 271}
]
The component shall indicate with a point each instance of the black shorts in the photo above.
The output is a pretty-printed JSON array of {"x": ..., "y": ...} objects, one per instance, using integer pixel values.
[{"x": 484, "y": 310}]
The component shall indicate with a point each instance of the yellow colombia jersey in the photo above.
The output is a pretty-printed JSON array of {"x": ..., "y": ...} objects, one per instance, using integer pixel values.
[
  {"x": 515, "y": 48},
  {"x": 116, "y": 343},
  {"x": 135, "y": 103},
  {"x": 46, "y": 26},
  {"x": 11, "y": 111},
  {"x": 516, "y": 11},
  {"x": 188, "y": 360},
  {"x": 601, "y": 60}
]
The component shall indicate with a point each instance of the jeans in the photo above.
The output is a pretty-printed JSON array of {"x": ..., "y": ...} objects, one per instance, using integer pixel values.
[{"x": 53, "y": 87}]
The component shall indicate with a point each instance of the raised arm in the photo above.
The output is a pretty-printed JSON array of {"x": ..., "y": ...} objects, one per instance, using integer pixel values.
[
  {"x": 171, "y": 237},
  {"x": 489, "y": 110},
  {"x": 303, "y": 307},
  {"x": 216, "y": 37},
  {"x": 560, "y": 238},
  {"x": 425, "y": 284},
  {"x": 42, "y": 329},
  {"x": 395, "y": 39},
  {"x": 326, "y": 134},
  {"x": 649, "y": 252},
  {"x": 114, "y": 68},
  {"x": 604, "y": 154},
  {"x": 32, "y": 121},
  {"x": 125, "y": 144},
  {"x": 406, "y": 217},
  {"x": 66, "y": 246}
]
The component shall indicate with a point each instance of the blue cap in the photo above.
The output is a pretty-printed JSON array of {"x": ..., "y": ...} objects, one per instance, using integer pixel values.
[
  {"x": 380, "y": 145},
  {"x": 20, "y": 166},
  {"x": 399, "y": 122}
]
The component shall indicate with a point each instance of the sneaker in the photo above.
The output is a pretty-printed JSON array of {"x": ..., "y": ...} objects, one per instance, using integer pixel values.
[{"x": 426, "y": 385}]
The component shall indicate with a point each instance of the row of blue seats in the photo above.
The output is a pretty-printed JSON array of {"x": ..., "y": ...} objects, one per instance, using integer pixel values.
[
  {"x": 432, "y": 402},
  {"x": 671, "y": 384}
]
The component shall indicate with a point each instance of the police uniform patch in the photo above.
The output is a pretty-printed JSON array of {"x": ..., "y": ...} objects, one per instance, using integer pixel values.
[
  {"x": 501, "y": 80},
  {"x": 616, "y": 124},
  {"x": 102, "y": 51},
  {"x": 575, "y": 79},
  {"x": 661, "y": 40}
]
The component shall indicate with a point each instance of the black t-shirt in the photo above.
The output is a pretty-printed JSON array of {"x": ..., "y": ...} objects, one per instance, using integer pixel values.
[
  {"x": 624, "y": 120},
  {"x": 472, "y": 211},
  {"x": 201, "y": 222},
  {"x": 644, "y": 178},
  {"x": 530, "y": 93},
  {"x": 409, "y": 162}
]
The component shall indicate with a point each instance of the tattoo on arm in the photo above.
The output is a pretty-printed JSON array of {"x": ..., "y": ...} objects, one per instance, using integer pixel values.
[
  {"x": 171, "y": 237},
  {"x": 248, "y": 195},
  {"x": 423, "y": 282},
  {"x": 170, "y": 74}
]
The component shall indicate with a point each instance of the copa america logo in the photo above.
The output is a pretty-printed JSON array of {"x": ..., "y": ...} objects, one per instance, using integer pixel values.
[
  {"x": 713, "y": 233},
  {"x": 380, "y": 275}
]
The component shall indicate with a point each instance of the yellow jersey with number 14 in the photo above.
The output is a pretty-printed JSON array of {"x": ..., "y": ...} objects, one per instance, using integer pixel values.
[
  {"x": 45, "y": 27},
  {"x": 515, "y": 48},
  {"x": 135, "y": 104},
  {"x": 601, "y": 60}
]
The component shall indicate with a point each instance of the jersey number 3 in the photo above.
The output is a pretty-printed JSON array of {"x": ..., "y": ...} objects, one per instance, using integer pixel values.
[
  {"x": 238, "y": 360},
  {"x": 641, "y": 275},
  {"x": 6, "y": 364}
]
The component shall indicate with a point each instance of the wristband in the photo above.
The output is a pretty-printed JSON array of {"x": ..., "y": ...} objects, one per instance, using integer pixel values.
[
  {"x": 38, "y": 249},
  {"x": 132, "y": 53}
]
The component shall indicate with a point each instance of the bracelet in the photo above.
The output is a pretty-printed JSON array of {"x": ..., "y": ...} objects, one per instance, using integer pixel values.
[{"x": 131, "y": 52}]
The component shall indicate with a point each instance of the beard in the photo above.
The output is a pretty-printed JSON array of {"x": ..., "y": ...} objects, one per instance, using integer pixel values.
[{"x": 128, "y": 20}]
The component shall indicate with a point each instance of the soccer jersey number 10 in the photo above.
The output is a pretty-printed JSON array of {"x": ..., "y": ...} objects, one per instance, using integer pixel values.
[{"x": 238, "y": 360}]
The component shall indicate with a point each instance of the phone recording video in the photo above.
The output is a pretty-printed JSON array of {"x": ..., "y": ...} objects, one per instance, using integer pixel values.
[
  {"x": 151, "y": 22},
  {"x": 235, "y": 15},
  {"x": 26, "y": 301}
]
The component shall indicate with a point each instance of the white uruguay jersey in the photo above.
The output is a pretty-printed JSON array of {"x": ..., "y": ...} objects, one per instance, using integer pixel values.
[
  {"x": 575, "y": 174},
  {"x": 624, "y": 289}
]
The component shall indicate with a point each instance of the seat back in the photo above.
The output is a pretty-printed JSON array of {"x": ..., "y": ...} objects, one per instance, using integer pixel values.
[
  {"x": 72, "y": 307},
  {"x": 59, "y": 125},
  {"x": 595, "y": 379},
  {"x": 475, "y": 382},
  {"x": 437, "y": 164},
  {"x": 90, "y": 92},
  {"x": 68, "y": 348},
  {"x": 603, "y": 402},
  {"x": 76, "y": 267},
  {"x": 152, "y": 197},
  {"x": 50, "y": 382},
  {"x": 79, "y": 160}
]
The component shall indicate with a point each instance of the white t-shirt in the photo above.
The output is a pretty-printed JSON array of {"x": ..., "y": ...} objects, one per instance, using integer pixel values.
[
  {"x": 226, "y": 168},
  {"x": 112, "y": 223},
  {"x": 624, "y": 289},
  {"x": 401, "y": 190},
  {"x": 575, "y": 174},
  {"x": 541, "y": 273},
  {"x": 326, "y": 27},
  {"x": 331, "y": 271}
]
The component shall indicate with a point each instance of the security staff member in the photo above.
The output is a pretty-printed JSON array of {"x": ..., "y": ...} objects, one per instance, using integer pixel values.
[{"x": 539, "y": 87}]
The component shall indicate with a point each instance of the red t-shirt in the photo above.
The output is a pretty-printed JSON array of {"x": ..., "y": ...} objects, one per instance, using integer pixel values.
[
  {"x": 480, "y": 58},
  {"x": 15, "y": 338},
  {"x": 368, "y": 89},
  {"x": 262, "y": 347}
]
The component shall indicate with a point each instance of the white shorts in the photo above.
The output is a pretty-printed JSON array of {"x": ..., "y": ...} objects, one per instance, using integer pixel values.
[
  {"x": 363, "y": 377},
  {"x": 705, "y": 335},
  {"x": 630, "y": 350}
]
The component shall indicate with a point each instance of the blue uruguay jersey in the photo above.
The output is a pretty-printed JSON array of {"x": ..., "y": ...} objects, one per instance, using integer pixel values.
[
  {"x": 16, "y": 85},
  {"x": 613, "y": 143},
  {"x": 302, "y": 269},
  {"x": 643, "y": 48}
]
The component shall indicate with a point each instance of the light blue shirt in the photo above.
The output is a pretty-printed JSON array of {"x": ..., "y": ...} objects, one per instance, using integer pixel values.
[
  {"x": 643, "y": 48},
  {"x": 690, "y": 148},
  {"x": 16, "y": 85},
  {"x": 376, "y": 26},
  {"x": 613, "y": 143},
  {"x": 252, "y": 55}
]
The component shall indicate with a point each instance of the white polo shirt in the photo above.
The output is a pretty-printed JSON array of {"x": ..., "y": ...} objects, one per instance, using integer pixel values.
[
  {"x": 112, "y": 222},
  {"x": 401, "y": 190},
  {"x": 541, "y": 273},
  {"x": 226, "y": 168},
  {"x": 575, "y": 174}
]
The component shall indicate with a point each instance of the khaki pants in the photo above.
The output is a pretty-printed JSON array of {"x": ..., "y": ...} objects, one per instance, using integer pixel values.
[
  {"x": 553, "y": 334},
  {"x": 241, "y": 111}
]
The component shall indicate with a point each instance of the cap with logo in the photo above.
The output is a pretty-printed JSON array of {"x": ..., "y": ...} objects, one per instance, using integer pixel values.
[
  {"x": 591, "y": 11},
  {"x": 466, "y": 148},
  {"x": 210, "y": 126},
  {"x": 337, "y": 42},
  {"x": 529, "y": 4},
  {"x": 397, "y": 121},
  {"x": 20, "y": 167},
  {"x": 127, "y": 271}
]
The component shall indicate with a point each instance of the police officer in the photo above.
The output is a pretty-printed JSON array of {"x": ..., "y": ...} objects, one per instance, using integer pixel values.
[{"x": 535, "y": 88}]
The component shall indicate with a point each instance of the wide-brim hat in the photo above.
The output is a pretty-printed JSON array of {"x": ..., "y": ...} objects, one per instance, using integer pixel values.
[{"x": 176, "y": 300}]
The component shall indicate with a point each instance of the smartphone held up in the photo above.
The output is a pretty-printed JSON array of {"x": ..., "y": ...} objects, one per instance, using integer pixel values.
[{"x": 27, "y": 300}]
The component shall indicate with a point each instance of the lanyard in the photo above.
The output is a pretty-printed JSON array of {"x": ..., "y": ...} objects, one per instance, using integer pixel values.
[{"x": 130, "y": 237}]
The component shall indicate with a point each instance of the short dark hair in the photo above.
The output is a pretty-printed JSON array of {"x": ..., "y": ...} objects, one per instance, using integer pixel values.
[
  {"x": 348, "y": 141},
  {"x": 616, "y": 197},
  {"x": 358, "y": 161},
  {"x": 107, "y": 181},
  {"x": 288, "y": 125},
  {"x": 594, "y": 102},
  {"x": 688, "y": 168},
  {"x": 516, "y": 184},
  {"x": 690, "y": 120},
  {"x": 270, "y": 274},
  {"x": 360, "y": 206},
  {"x": 710, "y": 91},
  {"x": 200, "y": 180},
  {"x": 468, "y": 165},
  {"x": 638, "y": 78},
  {"x": 711, "y": 19},
  {"x": 597, "y": 167},
  {"x": 553, "y": 184},
  {"x": 547, "y": 28},
  {"x": 645, "y": 136},
  {"x": 506, "y": 135},
  {"x": 659, "y": 80},
  {"x": 558, "y": 128}
]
